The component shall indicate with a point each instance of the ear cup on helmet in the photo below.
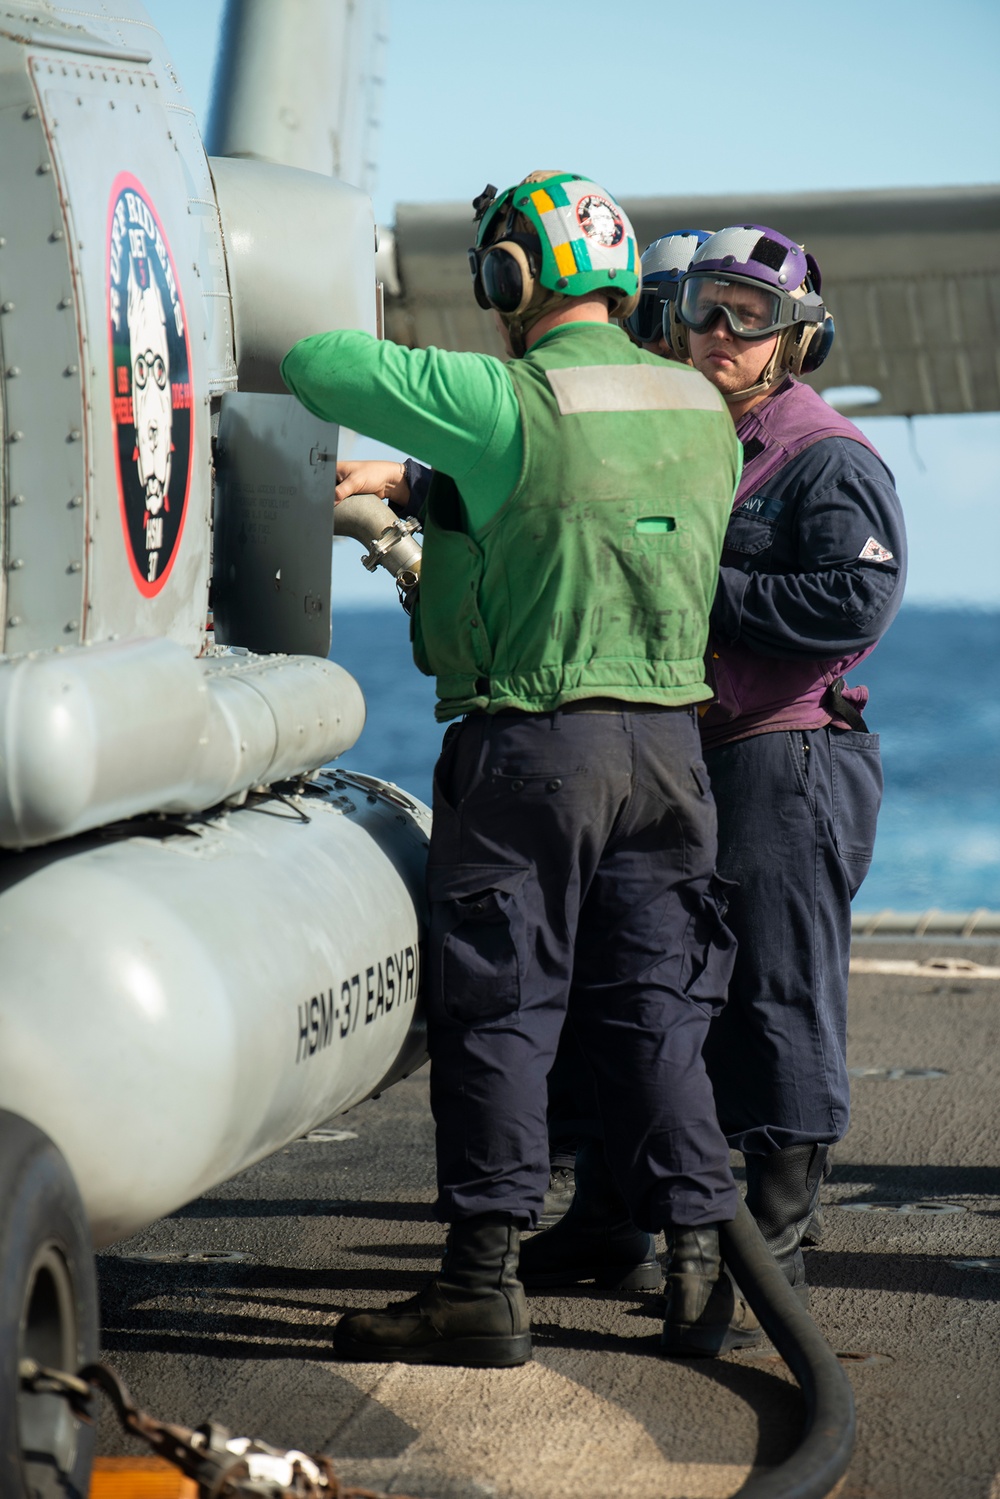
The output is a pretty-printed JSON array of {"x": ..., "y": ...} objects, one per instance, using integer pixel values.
[
  {"x": 819, "y": 345},
  {"x": 674, "y": 330},
  {"x": 622, "y": 306},
  {"x": 807, "y": 346},
  {"x": 506, "y": 278},
  {"x": 477, "y": 288}
]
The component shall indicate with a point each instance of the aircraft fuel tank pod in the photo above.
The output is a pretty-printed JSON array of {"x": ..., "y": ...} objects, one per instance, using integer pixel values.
[{"x": 209, "y": 942}]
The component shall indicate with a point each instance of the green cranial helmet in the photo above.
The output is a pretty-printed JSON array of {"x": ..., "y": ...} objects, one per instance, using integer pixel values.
[{"x": 554, "y": 235}]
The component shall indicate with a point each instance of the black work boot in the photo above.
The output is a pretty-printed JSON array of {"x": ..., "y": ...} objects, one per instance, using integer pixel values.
[
  {"x": 705, "y": 1313},
  {"x": 562, "y": 1185},
  {"x": 816, "y": 1227},
  {"x": 473, "y": 1313},
  {"x": 782, "y": 1194},
  {"x": 596, "y": 1239}
]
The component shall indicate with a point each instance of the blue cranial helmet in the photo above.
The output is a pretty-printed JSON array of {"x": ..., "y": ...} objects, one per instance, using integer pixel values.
[{"x": 663, "y": 264}]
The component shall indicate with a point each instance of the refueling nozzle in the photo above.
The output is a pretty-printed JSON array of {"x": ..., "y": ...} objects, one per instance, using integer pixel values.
[{"x": 392, "y": 546}]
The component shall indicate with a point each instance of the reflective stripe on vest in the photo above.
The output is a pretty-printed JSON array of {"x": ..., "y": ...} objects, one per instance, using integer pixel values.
[{"x": 601, "y": 387}]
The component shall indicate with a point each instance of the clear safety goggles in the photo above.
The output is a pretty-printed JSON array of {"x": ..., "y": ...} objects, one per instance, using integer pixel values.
[
  {"x": 646, "y": 322},
  {"x": 751, "y": 310}
]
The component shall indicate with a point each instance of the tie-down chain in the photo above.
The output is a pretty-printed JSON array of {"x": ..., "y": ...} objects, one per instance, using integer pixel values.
[{"x": 223, "y": 1466}]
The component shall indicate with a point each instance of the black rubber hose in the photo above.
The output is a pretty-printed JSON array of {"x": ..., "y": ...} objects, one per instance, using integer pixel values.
[{"x": 821, "y": 1458}]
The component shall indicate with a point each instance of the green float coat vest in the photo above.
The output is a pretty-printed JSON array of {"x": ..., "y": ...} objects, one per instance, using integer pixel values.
[{"x": 596, "y": 576}]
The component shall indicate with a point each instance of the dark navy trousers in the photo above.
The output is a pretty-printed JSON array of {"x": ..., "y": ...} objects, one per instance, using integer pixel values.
[
  {"x": 797, "y": 813},
  {"x": 571, "y": 881}
]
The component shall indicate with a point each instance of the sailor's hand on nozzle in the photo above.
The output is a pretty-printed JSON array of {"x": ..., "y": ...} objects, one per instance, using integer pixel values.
[{"x": 372, "y": 476}]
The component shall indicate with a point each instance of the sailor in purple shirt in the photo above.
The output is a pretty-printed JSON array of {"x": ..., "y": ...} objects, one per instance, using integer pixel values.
[{"x": 812, "y": 575}]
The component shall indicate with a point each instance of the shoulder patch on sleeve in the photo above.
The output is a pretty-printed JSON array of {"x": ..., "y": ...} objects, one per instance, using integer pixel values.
[{"x": 874, "y": 551}]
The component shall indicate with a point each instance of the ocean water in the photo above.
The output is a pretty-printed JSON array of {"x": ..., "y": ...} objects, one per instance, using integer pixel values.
[{"x": 935, "y": 701}]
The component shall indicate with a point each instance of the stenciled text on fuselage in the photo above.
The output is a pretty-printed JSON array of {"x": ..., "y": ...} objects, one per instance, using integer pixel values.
[{"x": 334, "y": 1013}]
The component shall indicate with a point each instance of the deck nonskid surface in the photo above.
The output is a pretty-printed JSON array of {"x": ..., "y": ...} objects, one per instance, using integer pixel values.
[{"x": 912, "y": 1298}]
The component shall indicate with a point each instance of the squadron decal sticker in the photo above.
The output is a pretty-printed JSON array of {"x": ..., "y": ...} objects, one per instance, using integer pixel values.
[
  {"x": 874, "y": 551},
  {"x": 600, "y": 220},
  {"x": 150, "y": 384}
]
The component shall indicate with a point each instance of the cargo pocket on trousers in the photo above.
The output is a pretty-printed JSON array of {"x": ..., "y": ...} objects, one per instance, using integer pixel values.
[
  {"x": 711, "y": 945},
  {"x": 856, "y": 777},
  {"x": 477, "y": 939}
]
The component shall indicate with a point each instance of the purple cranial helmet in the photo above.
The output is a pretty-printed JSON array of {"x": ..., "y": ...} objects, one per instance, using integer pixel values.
[
  {"x": 760, "y": 254},
  {"x": 782, "y": 298}
]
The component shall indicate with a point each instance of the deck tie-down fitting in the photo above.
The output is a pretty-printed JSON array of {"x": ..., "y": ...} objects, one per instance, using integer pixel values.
[{"x": 223, "y": 1466}]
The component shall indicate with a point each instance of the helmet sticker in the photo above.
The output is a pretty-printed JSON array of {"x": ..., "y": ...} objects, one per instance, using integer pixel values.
[
  {"x": 670, "y": 255},
  {"x": 150, "y": 384},
  {"x": 737, "y": 242},
  {"x": 600, "y": 220}
]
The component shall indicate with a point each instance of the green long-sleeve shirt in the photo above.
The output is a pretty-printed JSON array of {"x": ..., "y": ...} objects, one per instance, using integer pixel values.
[{"x": 457, "y": 412}]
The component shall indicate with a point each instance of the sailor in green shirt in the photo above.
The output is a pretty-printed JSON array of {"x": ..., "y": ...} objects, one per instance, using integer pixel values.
[{"x": 572, "y": 542}]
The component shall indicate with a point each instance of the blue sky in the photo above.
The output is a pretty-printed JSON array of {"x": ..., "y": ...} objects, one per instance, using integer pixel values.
[{"x": 662, "y": 99}]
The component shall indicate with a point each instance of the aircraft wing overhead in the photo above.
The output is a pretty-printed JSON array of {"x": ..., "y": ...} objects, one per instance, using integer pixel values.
[{"x": 912, "y": 277}]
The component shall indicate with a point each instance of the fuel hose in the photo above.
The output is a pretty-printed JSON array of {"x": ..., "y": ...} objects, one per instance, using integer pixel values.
[
  {"x": 387, "y": 538},
  {"x": 820, "y": 1461}
]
